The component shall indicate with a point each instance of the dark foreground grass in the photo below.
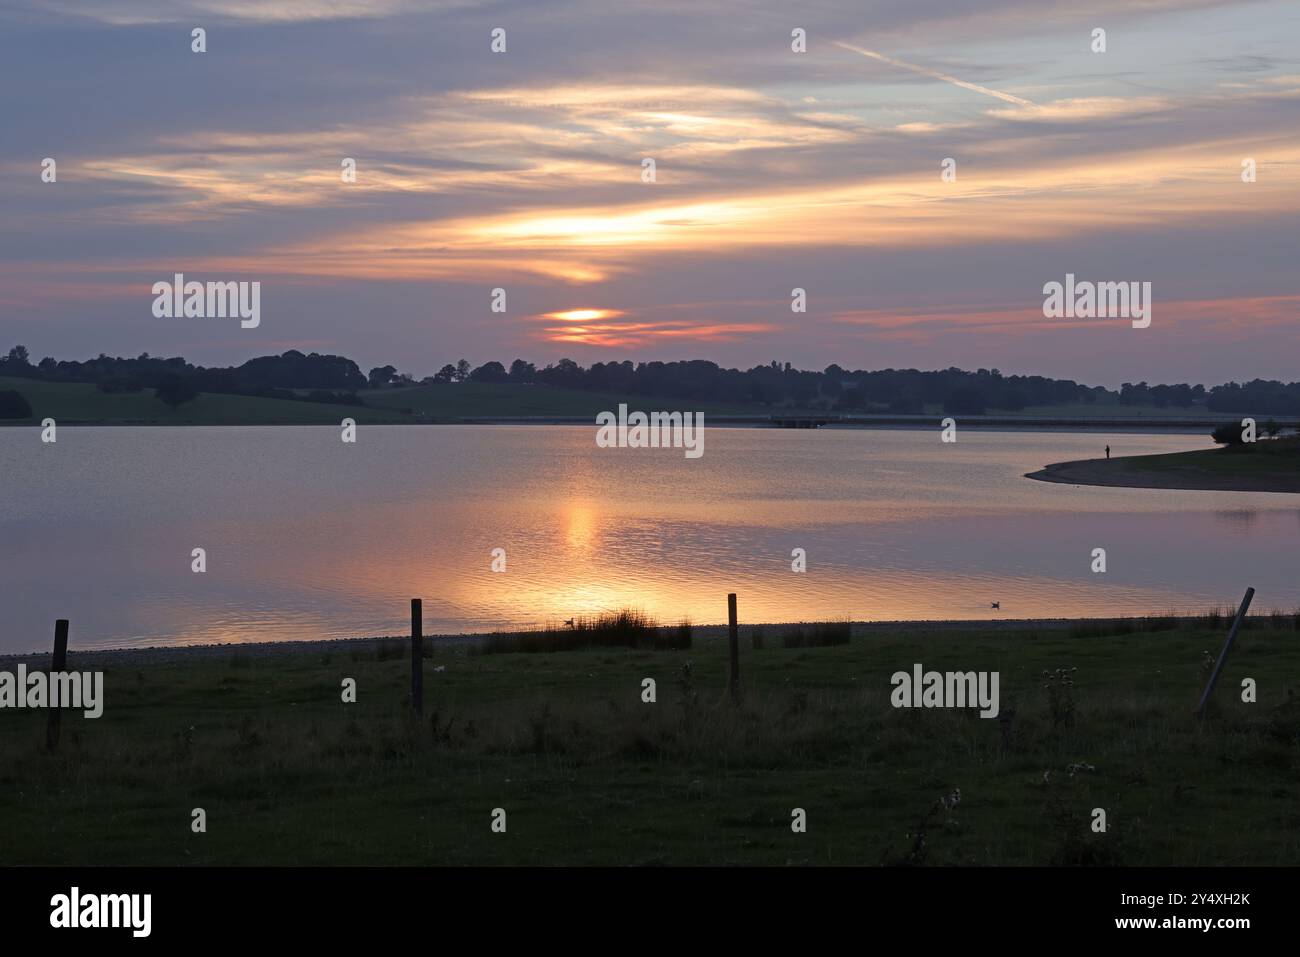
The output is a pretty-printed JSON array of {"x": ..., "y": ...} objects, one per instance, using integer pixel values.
[{"x": 589, "y": 773}]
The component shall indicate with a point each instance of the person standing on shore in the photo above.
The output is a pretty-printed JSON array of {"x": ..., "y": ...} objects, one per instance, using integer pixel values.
[{"x": 1108, "y": 451}]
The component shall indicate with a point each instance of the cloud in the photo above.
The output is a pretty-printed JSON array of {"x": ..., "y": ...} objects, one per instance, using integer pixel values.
[
  {"x": 935, "y": 74},
  {"x": 599, "y": 332},
  {"x": 1085, "y": 109},
  {"x": 138, "y": 12},
  {"x": 775, "y": 169}
]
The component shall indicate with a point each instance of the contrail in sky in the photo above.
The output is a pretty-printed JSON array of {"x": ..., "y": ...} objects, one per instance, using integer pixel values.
[{"x": 926, "y": 71}]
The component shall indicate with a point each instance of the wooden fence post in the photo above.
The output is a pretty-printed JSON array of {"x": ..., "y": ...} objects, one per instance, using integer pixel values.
[
  {"x": 1223, "y": 655},
  {"x": 733, "y": 644},
  {"x": 417, "y": 657},
  {"x": 59, "y": 662}
]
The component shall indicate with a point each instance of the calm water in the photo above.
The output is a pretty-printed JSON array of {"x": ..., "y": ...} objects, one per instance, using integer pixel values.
[{"x": 307, "y": 537}]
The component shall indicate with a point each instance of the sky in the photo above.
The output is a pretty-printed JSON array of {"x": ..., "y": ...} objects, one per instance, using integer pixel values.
[{"x": 774, "y": 170}]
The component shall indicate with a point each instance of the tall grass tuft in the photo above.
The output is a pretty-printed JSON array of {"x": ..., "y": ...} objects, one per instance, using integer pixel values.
[
  {"x": 677, "y": 639},
  {"x": 818, "y": 635},
  {"x": 628, "y": 628},
  {"x": 1215, "y": 619},
  {"x": 1167, "y": 622}
]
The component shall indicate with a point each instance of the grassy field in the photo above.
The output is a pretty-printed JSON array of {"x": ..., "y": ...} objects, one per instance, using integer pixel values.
[
  {"x": 1266, "y": 456},
  {"x": 588, "y": 773},
  {"x": 75, "y": 402},
  {"x": 72, "y": 403}
]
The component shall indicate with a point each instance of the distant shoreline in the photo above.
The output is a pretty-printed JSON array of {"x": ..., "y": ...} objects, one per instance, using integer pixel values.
[
  {"x": 1117, "y": 425},
  {"x": 471, "y": 403}
]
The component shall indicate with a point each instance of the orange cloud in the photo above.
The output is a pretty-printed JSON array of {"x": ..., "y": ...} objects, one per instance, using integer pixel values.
[
  {"x": 637, "y": 333},
  {"x": 919, "y": 326}
]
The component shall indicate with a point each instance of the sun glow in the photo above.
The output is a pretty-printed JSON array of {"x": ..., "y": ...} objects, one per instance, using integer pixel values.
[{"x": 584, "y": 315}]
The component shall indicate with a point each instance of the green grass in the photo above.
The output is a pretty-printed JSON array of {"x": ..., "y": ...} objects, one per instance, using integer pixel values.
[
  {"x": 589, "y": 773},
  {"x": 1261, "y": 458},
  {"x": 76, "y": 402}
]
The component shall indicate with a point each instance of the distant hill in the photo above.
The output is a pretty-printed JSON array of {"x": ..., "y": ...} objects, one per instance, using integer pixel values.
[
  {"x": 298, "y": 388},
  {"x": 71, "y": 403},
  {"x": 74, "y": 403}
]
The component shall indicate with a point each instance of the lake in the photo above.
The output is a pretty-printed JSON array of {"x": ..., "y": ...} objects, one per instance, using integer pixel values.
[{"x": 308, "y": 537}]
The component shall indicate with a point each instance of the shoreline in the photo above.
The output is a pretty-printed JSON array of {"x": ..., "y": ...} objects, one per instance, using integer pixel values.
[
  {"x": 168, "y": 654},
  {"x": 1123, "y": 473}
]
